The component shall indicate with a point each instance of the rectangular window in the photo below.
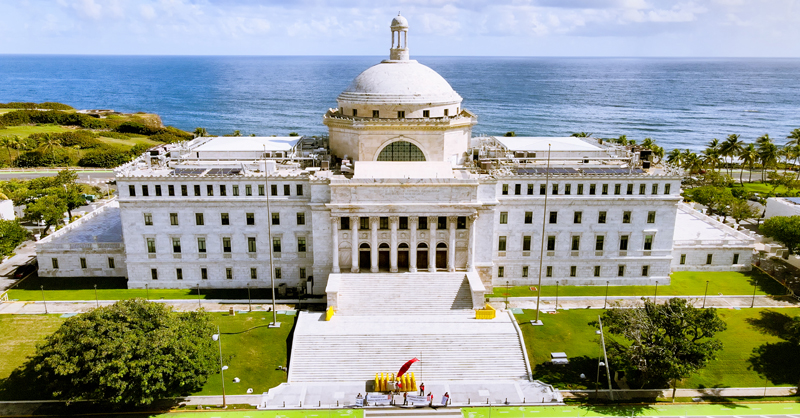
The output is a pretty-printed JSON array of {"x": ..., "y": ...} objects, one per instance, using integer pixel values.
[
  {"x": 596, "y": 271},
  {"x": 228, "y": 273},
  {"x": 553, "y": 217},
  {"x": 302, "y": 272},
  {"x": 184, "y": 190},
  {"x": 225, "y": 219},
  {"x": 299, "y": 189},
  {"x": 447, "y": 112},
  {"x": 599, "y": 242},
  {"x": 261, "y": 191},
  {"x": 542, "y": 189},
  {"x": 617, "y": 188},
  {"x": 151, "y": 245},
  {"x": 301, "y": 218},
  {"x": 287, "y": 190},
  {"x": 83, "y": 263},
  {"x": 503, "y": 218},
  {"x": 276, "y": 245},
  {"x": 423, "y": 223},
  {"x": 683, "y": 259},
  {"x": 176, "y": 245},
  {"x": 655, "y": 189},
  {"x": 179, "y": 274},
  {"x": 158, "y": 190},
  {"x": 226, "y": 244},
  {"x": 250, "y": 218},
  {"x": 526, "y": 243},
  {"x": 276, "y": 218},
  {"x": 576, "y": 243},
  {"x": 223, "y": 191},
  {"x": 401, "y": 114},
  {"x": 442, "y": 224},
  {"x": 461, "y": 222},
  {"x": 376, "y": 113},
  {"x": 524, "y": 271},
  {"x": 573, "y": 271},
  {"x": 605, "y": 189},
  {"x": 736, "y": 258},
  {"x": 145, "y": 191},
  {"x": 501, "y": 271},
  {"x": 630, "y": 189},
  {"x": 248, "y": 190},
  {"x": 626, "y": 217},
  {"x": 201, "y": 245},
  {"x": 549, "y": 271},
  {"x": 621, "y": 270},
  {"x": 235, "y": 190},
  {"x": 530, "y": 189},
  {"x": 273, "y": 189},
  {"x": 131, "y": 190},
  {"x": 528, "y": 217},
  {"x": 210, "y": 190},
  {"x": 173, "y": 218},
  {"x": 199, "y": 219},
  {"x": 344, "y": 223},
  {"x": 645, "y": 271},
  {"x": 148, "y": 219},
  {"x": 501, "y": 244},
  {"x": 383, "y": 222},
  {"x": 203, "y": 273},
  {"x": 580, "y": 189},
  {"x": 551, "y": 243},
  {"x": 505, "y": 190},
  {"x": 555, "y": 189},
  {"x": 277, "y": 272},
  {"x": 426, "y": 113},
  {"x": 577, "y": 217},
  {"x": 253, "y": 273},
  {"x": 111, "y": 263},
  {"x": 171, "y": 190},
  {"x": 154, "y": 274},
  {"x": 355, "y": 112},
  {"x": 651, "y": 217},
  {"x": 592, "y": 189},
  {"x": 709, "y": 258},
  {"x": 666, "y": 188},
  {"x": 517, "y": 189},
  {"x": 567, "y": 189},
  {"x": 301, "y": 245},
  {"x": 251, "y": 244},
  {"x": 54, "y": 261},
  {"x": 648, "y": 242},
  {"x": 642, "y": 188},
  {"x": 601, "y": 217},
  {"x": 623, "y": 243},
  {"x": 197, "y": 190},
  {"x": 364, "y": 223}
]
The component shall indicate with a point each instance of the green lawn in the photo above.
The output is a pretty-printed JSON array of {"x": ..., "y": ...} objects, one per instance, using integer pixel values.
[
  {"x": 683, "y": 283},
  {"x": 748, "y": 330},
  {"x": 633, "y": 410},
  {"x": 762, "y": 188},
  {"x": 25, "y": 130},
  {"x": 250, "y": 349},
  {"x": 217, "y": 413}
]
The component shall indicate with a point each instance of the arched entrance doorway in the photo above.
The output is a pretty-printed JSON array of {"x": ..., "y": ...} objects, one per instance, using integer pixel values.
[
  {"x": 363, "y": 256},
  {"x": 402, "y": 255},
  {"x": 422, "y": 256},
  {"x": 441, "y": 255},
  {"x": 383, "y": 257}
]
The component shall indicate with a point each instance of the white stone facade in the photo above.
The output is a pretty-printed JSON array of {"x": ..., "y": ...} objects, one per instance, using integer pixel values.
[
  {"x": 7, "y": 210},
  {"x": 704, "y": 244}
]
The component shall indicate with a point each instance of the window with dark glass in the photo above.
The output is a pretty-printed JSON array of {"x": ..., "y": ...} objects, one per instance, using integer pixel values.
[
  {"x": 158, "y": 190},
  {"x": 442, "y": 224},
  {"x": 376, "y": 114},
  {"x": 580, "y": 189},
  {"x": 250, "y": 218},
  {"x": 666, "y": 188},
  {"x": 605, "y": 189},
  {"x": 276, "y": 218},
  {"x": 223, "y": 191},
  {"x": 201, "y": 245},
  {"x": 210, "y": 190},
  {"x": 461, "y": 222},
  {"x": 599, "y": 243},
  {"x": 601, "y": 217},
  {"x": 655, "y": 189},
  {"x": 299, "y": 189},
  {"x": 577, "y": 217},
  {"x": 154, "y": 274},
  {"x": 526, "y": 243},
  {"x": 555, "y": 189},
  {"x": 199, "y": 219},
  {"x": 383, "y": 222},
  {"x": 505, "y": 189},
  {"x": 344, "y": 223},
  {"x": 179, "y": 274},
  {"x": 528, "y": 217},
  {"x": 553, "y": 217},
  {"x": 235, "y": 190},
  {"x": 148, "y": 219},
  {"x": 576, "y": 243},
  {"x": 248, "y": 190},
  {"x": 617, "y": 188},
  {"x": 176, "y": 245},
  {"x": 567, "y": 189},
  {"x": 301, "y": 244},
  {"x": 542, "y": 189},
  {"x": 226, "y": 244},
  {"x": 203, "y": 273},
  {"x": 276, "y": 245},
  {"x": 402, "y": 222},
  {"x": 551, "y": 243},
  {"x": 173, "y": 218},
  {"x": 363, "y": 223},
  {"x": 131, "y": 190},
  {"x": 251, "y": 244},
  {"x": 184, "y": 190},
  {"x": 630, "y": 189},
  {"x": 648, "y": 242},
  {"x": 530, "y": 188},
  {"x": 197, "y": 190},
  {"x": 642, "y": 188},
  {"x": 503, "y": 218},
  {"x": 623, "y": 243},
  {"x": 626, "y": 217},
  {"x": 592, "y": 189},
  {"x": 287, "y": 190},
  {"x": 301, "y": 218},
  {"x": 226, "y": 220},
  {"x": 573, "y": 271},
  {"x": 517, "y": 189},
  {"x": 273, "y": 189},
  {"x": 501, "y": 243},
  {"x": 171, "y": 190},
  {"x": 145, "y": 190},
  {"x": 651, "y": 217},
  {"x": 423, "y": 223}
]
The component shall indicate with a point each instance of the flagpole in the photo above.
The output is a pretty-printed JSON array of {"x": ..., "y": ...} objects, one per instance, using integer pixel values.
[{"x": 541, "y": 252}]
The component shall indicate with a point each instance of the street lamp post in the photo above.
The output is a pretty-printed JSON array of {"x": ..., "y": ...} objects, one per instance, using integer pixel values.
[
  {"x": 705, "y": 294},
  {"x": 217, "y": 337},
  {"x": 605, "y": 302},
  {"x": 755, "y": 286},
  {"x": 556, "y": 295},
  {"x": 541, "y": 251},
  {"x": 147, "y": 291},
  {"x": 97, "y": 301},
  {"x": 43, "y": 299},
  {"x": 506, "y": 294},
  {"x": 655, "y": 297},
  {"x": 249, "y": 301},
  {"x": 198, "y": 296}
]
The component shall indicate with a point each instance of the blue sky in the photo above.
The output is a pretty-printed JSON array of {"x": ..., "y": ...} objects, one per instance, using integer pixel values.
[{"x": 710, "y": 28}]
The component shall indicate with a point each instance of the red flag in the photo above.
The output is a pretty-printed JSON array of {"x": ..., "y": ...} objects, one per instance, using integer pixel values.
[{"x": 406, "y": 366}]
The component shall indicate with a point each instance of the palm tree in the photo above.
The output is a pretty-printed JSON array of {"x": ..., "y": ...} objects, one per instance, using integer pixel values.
[
  {"x": 693, "y": 163},
  {"x": 794, "y": 137},
  {"x": 17, "y": 143},
  {"x": 749, "y": 156},
  {"x": 5, "y": 141},
  {"x": 237, "y": 133},
  {"x": 675, "y": 157},
  {"x": 658, "y": 152},
  {"x": 50, "y": 143},
  {"x": 198, "y": 132},
  {"x": 731, "y": 147},
  {"x": 711, "y": 157},
  {"x": 581, "y": 135},
  {"x": 767, "y": 153}
]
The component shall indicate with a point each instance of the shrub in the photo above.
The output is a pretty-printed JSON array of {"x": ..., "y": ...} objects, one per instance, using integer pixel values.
[
  {"x": 136, "y": 128},
  {"x": 105, "y": 157},
  {"x": 115, "y": 135},
  {"x": 22, "y": 117},
  {"x": 43, "y": 159},
  {"x": 80, "y": 138},
  {"x": 31, "y": 105},
  {"x": 11, "y": 235}
]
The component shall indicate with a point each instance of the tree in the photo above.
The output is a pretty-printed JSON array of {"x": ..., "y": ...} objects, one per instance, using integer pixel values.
[
  {"x": 767, "y": 154},
  {"x": 49, "y": 143},
  {"x": 662, "y": 343},
  {"x": 675, "y": 157},
  {"x": 740, "y": 209},
  {"x": 510, "y": 134},
  {"x": 749, "y": 156},
  {"x": 784, "y": 229},
  {"x": 11, "y": 235},
  {"x": 714, "y": 198},
  {"x": 581, "y": 135},
  {"x": 731, "y": 147},
  {"x": 130, "y": 353},
  {"x": 49, "y": 209},
  {"x": 6, "y": 141},
  {"x": 198, "y": 132}
]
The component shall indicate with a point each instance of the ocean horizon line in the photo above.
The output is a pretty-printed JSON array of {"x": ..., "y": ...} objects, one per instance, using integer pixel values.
[{"x": 382, "y": 56}]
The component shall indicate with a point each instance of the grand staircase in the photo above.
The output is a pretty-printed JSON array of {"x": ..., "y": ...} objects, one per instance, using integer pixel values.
[{"x": 403, "y": 294}]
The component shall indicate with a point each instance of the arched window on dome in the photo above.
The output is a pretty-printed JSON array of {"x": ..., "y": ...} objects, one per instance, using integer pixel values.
[{"x": 401, "y": 151}]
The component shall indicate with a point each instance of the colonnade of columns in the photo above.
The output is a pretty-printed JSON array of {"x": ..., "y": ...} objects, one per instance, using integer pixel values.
[{"x": 413, "y": 222}]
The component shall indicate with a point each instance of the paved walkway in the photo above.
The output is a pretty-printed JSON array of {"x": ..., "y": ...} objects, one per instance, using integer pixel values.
[
  {"x": 68, "y": 307},
  {"x": 24, "y": 254}
]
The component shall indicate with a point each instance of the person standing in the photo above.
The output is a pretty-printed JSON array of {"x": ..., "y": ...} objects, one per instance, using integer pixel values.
[
  {"x": 445, "y": 399},
  {"x": 422, "y": 389},
  {"x": 405, "y": 398}
]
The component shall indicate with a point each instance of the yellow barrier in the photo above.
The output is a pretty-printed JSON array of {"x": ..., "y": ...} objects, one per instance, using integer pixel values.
[
  {"x": 329, "y": 313},
  {"x": 406, "y": 383},
  {"x": 488, "y": 312}
]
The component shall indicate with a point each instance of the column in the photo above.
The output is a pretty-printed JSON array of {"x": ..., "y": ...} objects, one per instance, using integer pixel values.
[
  {"x": 412, "y": 244},
  {"x": 432, "y": 223},
  {"x": 373, "y": 251},
  {"x": 354, "y": 243},
  {"x": 393, "y": 221},
  {"x": 335, "y": 243},
  {"x": 451, "y": 250},
  {"x": 471, "y": 246}
]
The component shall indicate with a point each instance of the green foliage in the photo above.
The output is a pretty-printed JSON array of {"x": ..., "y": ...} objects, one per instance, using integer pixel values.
[
  {"x": 106, "y": 157},
  {"x": 11, "y": 235},
  {"x": 784, "y": 229},
  {"x": 49, "y": 208},
  {"x": 657, "y": 343},
  {"x": 115, "y": 135},
  {"x": 30, "y": 105},
  {"x": 510, "y": 134},
  {"x": 166, "y": 138},
  {"x": 133, "y": 352},
  {"x": 741, "y": 209},
  {"x": 716, "y": 199},
  {"x": 22, "y": 117},
  {"x": 294, "y": 134},
  {"x": 79, "y": 138},
  {"x": 40, "y": 158}
]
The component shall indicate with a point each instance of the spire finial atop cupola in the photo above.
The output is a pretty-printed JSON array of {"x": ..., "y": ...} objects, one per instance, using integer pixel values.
[{"x": 399, "y": 50}]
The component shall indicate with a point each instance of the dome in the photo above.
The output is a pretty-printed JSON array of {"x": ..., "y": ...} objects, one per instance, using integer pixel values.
[
  {"x": 399, "y": 82},
  {"x": 399, "y": 22}
]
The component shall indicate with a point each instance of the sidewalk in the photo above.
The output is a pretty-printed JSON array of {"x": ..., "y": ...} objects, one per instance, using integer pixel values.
[
  {"x": 23, "y": 255},
  {"x": 597, "y": 302},
  {"x": 80, "y": 306}
]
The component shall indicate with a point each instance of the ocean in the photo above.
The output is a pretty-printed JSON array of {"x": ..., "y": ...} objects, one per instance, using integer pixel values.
[{"x": 679, "y": 102}]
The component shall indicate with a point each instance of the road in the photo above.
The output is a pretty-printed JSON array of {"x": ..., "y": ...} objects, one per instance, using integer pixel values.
[{"x": 83, "y": 176}]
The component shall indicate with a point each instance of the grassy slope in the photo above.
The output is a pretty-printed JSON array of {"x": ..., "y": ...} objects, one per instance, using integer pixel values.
[
  {"x": 748, "y": 329},
  {"x": 19, "y": 336},
  {"x": 683, "y": 283}
]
